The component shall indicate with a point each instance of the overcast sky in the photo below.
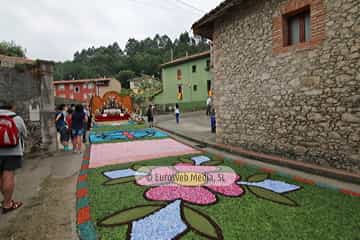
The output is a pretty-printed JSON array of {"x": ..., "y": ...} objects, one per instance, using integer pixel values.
[{"x": 54, "y": 30}]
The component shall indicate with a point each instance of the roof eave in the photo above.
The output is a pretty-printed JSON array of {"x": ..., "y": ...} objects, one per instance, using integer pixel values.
[
  {"x": 186, "y": 59},
  {"x": 205, "y": 26}
]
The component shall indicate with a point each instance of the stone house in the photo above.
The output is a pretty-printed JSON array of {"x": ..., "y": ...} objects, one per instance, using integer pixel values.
[
  {"x": 287, "y": 78},
  {"x": 28, "y": 84}
]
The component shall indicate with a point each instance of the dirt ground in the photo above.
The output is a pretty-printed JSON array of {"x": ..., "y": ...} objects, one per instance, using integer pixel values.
[
  {"x": 48, "y": 215},
  {"x": 46, "y": 185}
]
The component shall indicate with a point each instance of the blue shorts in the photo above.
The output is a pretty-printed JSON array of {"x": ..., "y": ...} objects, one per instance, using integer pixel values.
[
  {"x": 64, "y": 134},
  {"x": 78, "y": 132}
]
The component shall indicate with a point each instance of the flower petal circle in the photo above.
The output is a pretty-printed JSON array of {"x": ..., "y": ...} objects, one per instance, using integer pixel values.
[{"x": 194, "y": 195}]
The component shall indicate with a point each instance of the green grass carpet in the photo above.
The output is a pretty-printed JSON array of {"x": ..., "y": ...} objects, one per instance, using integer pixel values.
[
  {"x": 106, "y": 128},
  {"x": 321, "y": 214}
]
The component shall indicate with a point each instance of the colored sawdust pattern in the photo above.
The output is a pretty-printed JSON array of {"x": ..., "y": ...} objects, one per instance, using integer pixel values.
[
  {"x": 116, "y": 136},
  {"x": 125, "y": 152},
  {"x": 260, "y": 212}
]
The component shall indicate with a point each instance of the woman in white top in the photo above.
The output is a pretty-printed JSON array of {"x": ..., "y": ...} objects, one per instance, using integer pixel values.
[{"x": 177, "y": 113}]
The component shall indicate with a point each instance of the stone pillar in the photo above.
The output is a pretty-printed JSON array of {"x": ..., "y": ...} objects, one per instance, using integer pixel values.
[{"x": 47, "y": 106}]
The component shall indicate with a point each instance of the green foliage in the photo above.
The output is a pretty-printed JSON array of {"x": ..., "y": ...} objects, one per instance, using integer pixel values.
[
  {"x": 11, "y": 49},
  {"x": 124, "y": 77},
  {"x": 137, "y": 58},
  {"x": 125, "y": 92}
]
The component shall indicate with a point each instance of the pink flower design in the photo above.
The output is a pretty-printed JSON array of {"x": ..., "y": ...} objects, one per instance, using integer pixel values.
[{"x": 166, "y": 185}]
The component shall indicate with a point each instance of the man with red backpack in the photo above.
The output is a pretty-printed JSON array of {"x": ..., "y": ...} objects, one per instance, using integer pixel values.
[{"x": 12, "y": 134}]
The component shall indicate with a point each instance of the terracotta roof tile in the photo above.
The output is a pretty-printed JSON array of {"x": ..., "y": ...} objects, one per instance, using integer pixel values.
[
  {"x": 83, "y": 80},
  {"x": 19, "y": 60},
  {"x": 186, "y": 59}
]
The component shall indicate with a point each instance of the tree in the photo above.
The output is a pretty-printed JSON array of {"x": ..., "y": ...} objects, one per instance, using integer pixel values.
[
  {"x": 124, "y": 78},
  {"x": 11, "y": 49},
  {"x": 137, "y": 58}
]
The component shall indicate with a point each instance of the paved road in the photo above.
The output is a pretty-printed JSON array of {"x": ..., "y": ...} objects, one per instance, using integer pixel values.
[
  {"x": 47, "y": 186},
  {"x": 196, "y": 125}
]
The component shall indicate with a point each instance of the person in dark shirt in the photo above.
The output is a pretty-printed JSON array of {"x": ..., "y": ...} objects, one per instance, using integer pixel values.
[
  {"x": 150, "y": 116},
  {"x": 62, "y": 126},
  {"x": 79, "y": 119}
]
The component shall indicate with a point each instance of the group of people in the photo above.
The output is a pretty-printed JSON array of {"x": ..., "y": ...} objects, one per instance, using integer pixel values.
[
  {"x": 72, "y": 123},
  {"x": 151, "y": 111}
]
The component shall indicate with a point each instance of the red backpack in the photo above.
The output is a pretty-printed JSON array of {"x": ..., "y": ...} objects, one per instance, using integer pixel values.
[{"x": 9, "y": 133}]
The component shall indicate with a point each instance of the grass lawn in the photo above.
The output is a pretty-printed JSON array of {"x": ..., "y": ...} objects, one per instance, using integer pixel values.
[{"x": 320, "y": 214}]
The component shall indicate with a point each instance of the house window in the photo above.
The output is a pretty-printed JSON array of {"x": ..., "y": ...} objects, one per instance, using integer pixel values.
[
  {"x": 299, "y": 27},
  {"x": 194, "y": 68},
  {"x": 209, "y": 88},
  {"x": 61, "y": 87},
  {"x": 77, "y": 89},
  {"x": 180, "y": 95},
  {"x": 90, "y": 85},
  {"x": 179, "y": 74},
  {"x": 195, "y": 88},
  {"x": 207, "y": 65}
]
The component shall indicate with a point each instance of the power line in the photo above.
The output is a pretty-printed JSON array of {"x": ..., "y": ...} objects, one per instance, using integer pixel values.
[
  {"x": 190, "y": 6},
  {"x": 166, "y": 7},
  {"x": 151, "y": 4}
]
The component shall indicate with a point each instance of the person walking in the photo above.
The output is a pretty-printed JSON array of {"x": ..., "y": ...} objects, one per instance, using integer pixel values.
[
  {"x": 62, "y": 126},
  {"x": 12, "y": 134},
  {"x": 69, "y": 123},
  {"x": 150, "y": 116},
  {"x": 208, "y": 106},
  {"x": 213, "y": 121},
  {"x": 79, "y": 119},
  {"x": 86, "y": 127},
  {"x": 177, "y": 113}
]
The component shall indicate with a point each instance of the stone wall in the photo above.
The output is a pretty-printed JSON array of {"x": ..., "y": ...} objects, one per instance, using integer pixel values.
[
  {"x": 302, "y": 103},
  {"x": 29, "y": 86}
]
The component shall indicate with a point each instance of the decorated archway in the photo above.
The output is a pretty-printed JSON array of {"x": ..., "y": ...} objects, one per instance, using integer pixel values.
[{"x": 111, "y": 104}]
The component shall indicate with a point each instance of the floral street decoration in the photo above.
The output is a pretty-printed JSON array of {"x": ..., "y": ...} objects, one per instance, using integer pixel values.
[{"x": 191, "y": 181}]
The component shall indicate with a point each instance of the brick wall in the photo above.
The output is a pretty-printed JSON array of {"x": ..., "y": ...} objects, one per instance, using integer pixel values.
[
  {"x": 318, "y": 14},
  {"x": 300, "y": 102}
]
